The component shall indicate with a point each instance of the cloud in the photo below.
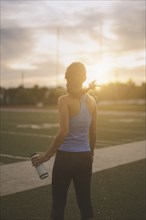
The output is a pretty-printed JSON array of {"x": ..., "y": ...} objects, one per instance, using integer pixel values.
[
  {"x": 29, "y": 34},
  {"x": 24, "y": 14},
  {"x": 45, "y": 74},
  {"x": 125, "y": 21},
  {"x": 128, "y": 25},
  {"x": 36, "y": 14},
  {"x": 16, "y": 43}
]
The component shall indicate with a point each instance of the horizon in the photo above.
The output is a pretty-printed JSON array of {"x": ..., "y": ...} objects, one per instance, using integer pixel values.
[{"x": 64, "y": 86}]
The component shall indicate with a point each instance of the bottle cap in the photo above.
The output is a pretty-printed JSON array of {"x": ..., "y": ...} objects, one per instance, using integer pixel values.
[{"x": 44, "y": 175}]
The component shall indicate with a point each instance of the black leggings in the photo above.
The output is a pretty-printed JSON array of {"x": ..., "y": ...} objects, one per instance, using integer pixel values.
[{"x": 76, "y": 166}]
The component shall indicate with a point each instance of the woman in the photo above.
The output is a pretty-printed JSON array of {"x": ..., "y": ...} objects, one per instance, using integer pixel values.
[{"x": 74, "y": 145}]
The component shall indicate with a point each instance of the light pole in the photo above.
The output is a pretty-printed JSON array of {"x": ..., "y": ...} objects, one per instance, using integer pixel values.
[
  {"x": 57, "y": 55},
  {"x": 22, "y": 79}
]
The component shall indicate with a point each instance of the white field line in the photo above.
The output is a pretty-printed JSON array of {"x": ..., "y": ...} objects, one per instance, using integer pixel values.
[
  {"x": 14, "y": 157},
  {"x": 29, "y": 110},
  {"x": 47, "y": 136},
  {"x": 27, "y": 134},
  {"x": 21, "y": 176},
  {"x": 52, "y": 136},
  {"x": 108, "y": 142},
  {"x": 120, "y": 130},
  {"x": 122, "y": 113}
]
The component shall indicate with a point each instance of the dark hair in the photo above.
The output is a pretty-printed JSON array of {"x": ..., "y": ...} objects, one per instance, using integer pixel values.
[{"x": 76, "y": 73}]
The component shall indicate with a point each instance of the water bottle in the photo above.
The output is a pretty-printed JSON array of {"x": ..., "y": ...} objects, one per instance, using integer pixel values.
[{"x": 41, "y": 170}]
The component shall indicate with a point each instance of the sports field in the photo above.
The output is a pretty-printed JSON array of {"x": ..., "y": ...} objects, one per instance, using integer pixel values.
[
  {"x": 118, "y": 193},
  {"x": 24, "y": 132}
]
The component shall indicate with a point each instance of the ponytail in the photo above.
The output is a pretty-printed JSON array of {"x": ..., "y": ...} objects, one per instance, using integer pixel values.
[
  {"x": 91, "y": 86},
  {"x": 78, "y": 93}
]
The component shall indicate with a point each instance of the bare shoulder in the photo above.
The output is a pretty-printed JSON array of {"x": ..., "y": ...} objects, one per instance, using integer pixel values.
[
  {"x": 91, "y": 100},
  {"x": 91, "y": 104},
  {"x": 63, "y": 98}
]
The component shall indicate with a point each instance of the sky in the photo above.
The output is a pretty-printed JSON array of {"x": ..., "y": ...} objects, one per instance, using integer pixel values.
[{"x": 39, "y": 39}]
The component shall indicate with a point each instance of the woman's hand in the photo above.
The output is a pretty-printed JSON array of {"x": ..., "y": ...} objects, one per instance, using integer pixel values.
[{"x": 38, "y": 159}]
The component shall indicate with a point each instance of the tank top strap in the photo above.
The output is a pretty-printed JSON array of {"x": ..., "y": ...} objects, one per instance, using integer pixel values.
[
  {"x": 83, "y": 99},
  {"x": 83, "y": 102}
]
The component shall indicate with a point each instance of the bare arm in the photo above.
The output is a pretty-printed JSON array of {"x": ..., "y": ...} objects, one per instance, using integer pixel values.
[
  {"x": 92, "y": 131},
  {"x": 61, "y": 134}
]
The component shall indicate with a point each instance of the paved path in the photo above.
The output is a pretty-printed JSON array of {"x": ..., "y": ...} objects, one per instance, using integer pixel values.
[{"x": 21, "y": 176}]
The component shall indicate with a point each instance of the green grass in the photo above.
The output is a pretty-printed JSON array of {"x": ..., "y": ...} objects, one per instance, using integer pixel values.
[
  {"x": 18, "y": 140},
  {"x": 117, "y": 194},
  {"x": 122, "y": 107},
  {"x": 113, "y": 106}
]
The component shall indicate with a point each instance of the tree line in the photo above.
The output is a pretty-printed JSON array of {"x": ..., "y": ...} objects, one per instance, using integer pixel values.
[{"x": 49, "y": 96}]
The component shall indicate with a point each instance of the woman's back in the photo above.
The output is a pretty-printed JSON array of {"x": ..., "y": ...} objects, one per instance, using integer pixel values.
[
  {"x": 75, "y": 103},
  {"x": 80, "y": 116}
]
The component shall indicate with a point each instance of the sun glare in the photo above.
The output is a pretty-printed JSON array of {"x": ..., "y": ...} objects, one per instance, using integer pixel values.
[{"x": 100, "y": 72}]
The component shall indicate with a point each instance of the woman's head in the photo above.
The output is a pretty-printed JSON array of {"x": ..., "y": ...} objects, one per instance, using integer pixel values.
[
  {"x": 75, "y": 75},
  {"x": 76, "y": 72}
]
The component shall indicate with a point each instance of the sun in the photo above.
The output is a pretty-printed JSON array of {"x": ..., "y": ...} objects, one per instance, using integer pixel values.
[{"x": 100, "y": 72}]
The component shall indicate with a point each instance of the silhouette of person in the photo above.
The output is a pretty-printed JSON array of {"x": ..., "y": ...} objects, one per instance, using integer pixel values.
[{"x": 74, "y": 145}]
